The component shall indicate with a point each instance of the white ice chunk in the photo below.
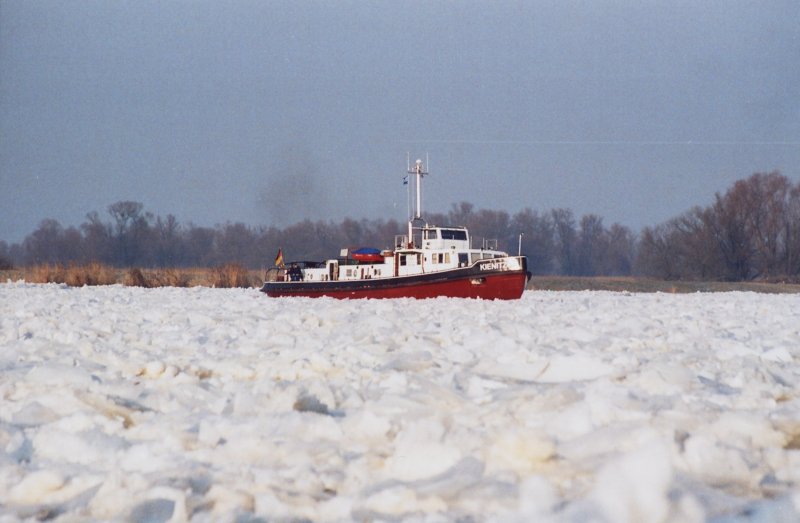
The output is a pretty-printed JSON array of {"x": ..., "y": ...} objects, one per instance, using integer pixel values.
[
  {"x": 537, "y": 498},
  {"x": 519, "y": 450},
  {"x": 366, "y": 426},
  {"x": 562, "y": 369},
  {"x": 36, "y": 487},
  {"x": 33, "y": 413},
  {"x": 419, "y": 452},
  {"x": 747, "y": 429},
  {"x": 57, "y": 374},
  {"x": 635, "y": 487},
  {"x": 399, "y": 500},
  {"x": 715, "y": 463},
  {"x": 777, "y": 355}
]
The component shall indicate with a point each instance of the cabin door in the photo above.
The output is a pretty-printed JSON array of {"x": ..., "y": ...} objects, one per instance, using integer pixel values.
[
  {"x": 333, "y": 270},
  {"x": 396, "y": 264}
]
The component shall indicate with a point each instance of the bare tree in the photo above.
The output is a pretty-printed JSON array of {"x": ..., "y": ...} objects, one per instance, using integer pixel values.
[
  {"x": 168, "y": 242},
  {"x": 566, "y": 239},
  {"x": 620, "y": 247},
  {"x": 97, "y": 239},
  {"x": 132, "y": 233},
  {"x": 199, "y": 247},
  {"x": 538, "y": 241},
  {"x": 792, "y": 234},
  {"x": 696, "y": 247},
  {"x": 353, "y": 232},
  {"x": 766, "y": 198},
  {"x": 233, "y": 244},
  {"x": 591, "y": 246},
  {"x": 461, "y": 214},
  {"x": 6, "y": 261},
  {"x": 656, "y": 255},
  {"x": 45, "y": 244}
]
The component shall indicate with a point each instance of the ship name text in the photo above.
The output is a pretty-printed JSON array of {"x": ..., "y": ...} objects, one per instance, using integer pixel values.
[{"x": 494, "y": 266}]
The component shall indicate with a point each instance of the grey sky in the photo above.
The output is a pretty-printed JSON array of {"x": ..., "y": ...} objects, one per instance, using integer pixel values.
[{"x": 271, "y": 112}]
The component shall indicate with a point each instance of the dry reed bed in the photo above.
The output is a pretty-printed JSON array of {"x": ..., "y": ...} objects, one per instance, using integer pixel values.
[{"x": 225, "y": 276}]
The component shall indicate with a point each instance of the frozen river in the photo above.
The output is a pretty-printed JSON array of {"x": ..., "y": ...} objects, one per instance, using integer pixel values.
[{"x": 204, "y": 404}]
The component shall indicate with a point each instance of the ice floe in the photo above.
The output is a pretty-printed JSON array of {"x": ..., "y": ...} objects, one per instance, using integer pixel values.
[{"x": 223, "y": 405}]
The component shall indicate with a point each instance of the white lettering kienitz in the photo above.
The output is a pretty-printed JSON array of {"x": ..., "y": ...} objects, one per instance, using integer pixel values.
[{"x": 494, "y": 266}]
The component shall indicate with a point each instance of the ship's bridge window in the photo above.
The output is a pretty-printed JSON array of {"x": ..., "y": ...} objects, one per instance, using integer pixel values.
[
  {"x": 431, "y": 234},
  {"x": 454, "y": 234}
]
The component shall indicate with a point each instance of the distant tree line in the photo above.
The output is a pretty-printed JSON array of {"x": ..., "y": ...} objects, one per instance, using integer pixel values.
[
  {"x": 555, "y": 242},
  {"x": 750, "y": 232}
]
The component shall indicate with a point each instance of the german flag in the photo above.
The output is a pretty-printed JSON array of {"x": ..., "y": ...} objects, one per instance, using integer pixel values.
[{"x": 279, "y": 259}]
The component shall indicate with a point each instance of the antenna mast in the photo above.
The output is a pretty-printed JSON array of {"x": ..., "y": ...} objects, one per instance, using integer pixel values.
[
  {"x": 407, "y": 183},
  {"x": 418, "y": 170}
]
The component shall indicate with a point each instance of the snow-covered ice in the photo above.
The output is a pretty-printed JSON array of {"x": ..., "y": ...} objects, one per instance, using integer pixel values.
[{"x": 204, "y": 404}]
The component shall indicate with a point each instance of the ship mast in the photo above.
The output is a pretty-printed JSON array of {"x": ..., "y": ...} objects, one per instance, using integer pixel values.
[{"x": 418, "y": 171}]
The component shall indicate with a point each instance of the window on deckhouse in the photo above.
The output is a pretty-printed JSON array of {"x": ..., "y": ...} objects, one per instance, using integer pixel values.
[{"x": 454, "y": 234}]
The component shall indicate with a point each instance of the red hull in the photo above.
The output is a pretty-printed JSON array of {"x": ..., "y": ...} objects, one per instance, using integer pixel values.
[{"x": 498, "y": 286}]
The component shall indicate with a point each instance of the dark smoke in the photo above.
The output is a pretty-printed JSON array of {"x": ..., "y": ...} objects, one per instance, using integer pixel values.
[{"x": 294, "y": 190}]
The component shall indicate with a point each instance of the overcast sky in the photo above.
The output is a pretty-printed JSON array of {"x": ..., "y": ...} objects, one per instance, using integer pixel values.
[{"x": 272, "y": 112}]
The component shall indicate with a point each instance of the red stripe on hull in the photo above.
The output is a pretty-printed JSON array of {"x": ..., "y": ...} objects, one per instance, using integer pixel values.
[{"x": 498, "y": 286}]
